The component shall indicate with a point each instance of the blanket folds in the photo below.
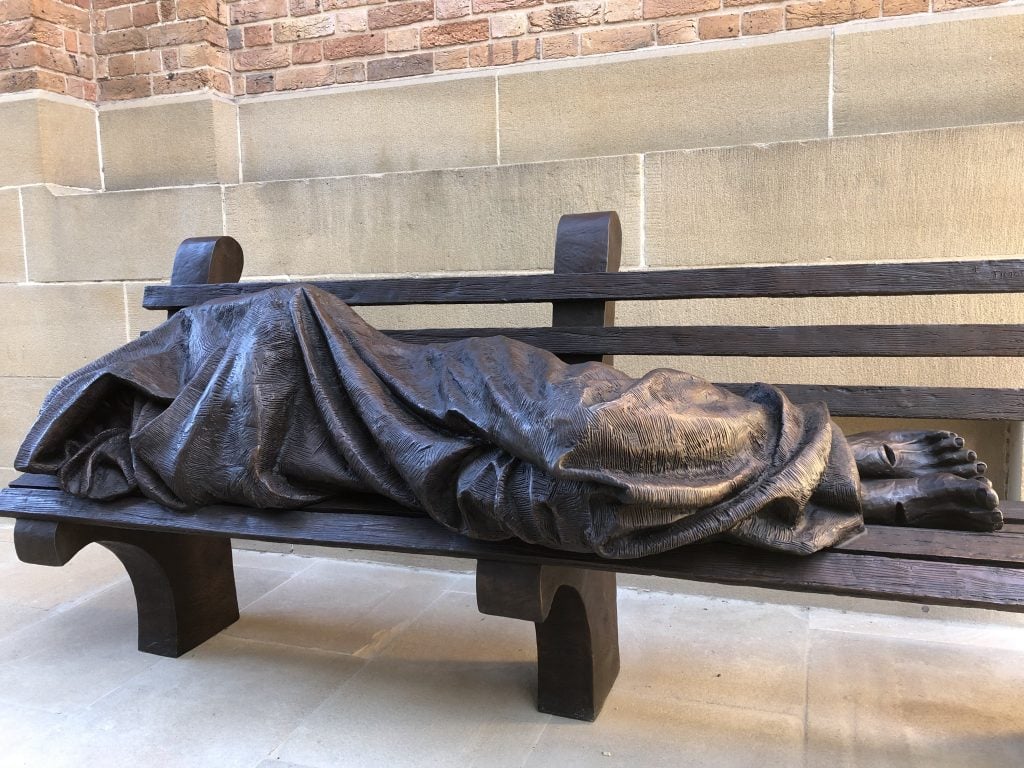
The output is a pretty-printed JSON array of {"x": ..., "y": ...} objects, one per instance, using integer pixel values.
[{"x": 287, "y": 397}]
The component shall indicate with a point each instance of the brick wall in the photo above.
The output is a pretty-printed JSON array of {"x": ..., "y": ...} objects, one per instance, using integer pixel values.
[{"x": 111, "y": 49}]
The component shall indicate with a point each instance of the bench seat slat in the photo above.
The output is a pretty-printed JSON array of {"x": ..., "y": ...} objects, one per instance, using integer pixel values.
[
  {"x": 756, "y": 341},
  {"x": 839, "y": 572},
  {"x": 821, "y": 280}
]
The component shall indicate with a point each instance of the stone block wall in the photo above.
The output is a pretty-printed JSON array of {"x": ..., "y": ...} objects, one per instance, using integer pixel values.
[{"x": 875, "y": 141}]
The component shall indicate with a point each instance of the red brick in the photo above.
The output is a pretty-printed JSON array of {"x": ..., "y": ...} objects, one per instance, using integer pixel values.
[
  {"x": 125, "y": 88},
  {"x": 657, "y": 9},
  {"x": 623, "y": 10},
  {"x": 70, "y": 41},
  {"x": 765, "y": 21},
  {"x": 403, "y": 39},
  {"x": 179, "y": 33},
  {"x": 717, "y": 27},
  {"x": 257, "y": 35},
  {"x": 118, "y": 42},
  {"x": 147, "y": 62},
  {"x": 454, "y": 59},
  {"x": 46, "y": 33},
  {"x": 400, "y": 14},
  {"x": 350, "y": 21},
  {"x": 51, "y": 81},
  {"x": 100, "y": 5},
  {"x": 952, "y": 5},
  {"x": 121, "y": 64},
  {"x": 560, "y": 46},
  {"x": 354, "y": 45},
  {"x": 616, "y": 39},
  {"x": 308, "y": 52},
  {"x": 118, "y": 18},
  {"x": 196, "y": 9},
  {"x": 493, "y": 6},
  {"x": 305, "y": 77},
  {"x": 16, "y": 32},
  {"x": 145, "y": 14},
  {"x": 261, "y": 83},
  {"x": 12, "y": 10},
  {"x": 181, "y": 82},
  {"x": 508, "y": 25},
  {"x": 350, "y": 72},
  {"x": 677, "y": 32},
  {"x": 305, "y": 7},
  {"x": 293, "y": 30},
  {"x": 262, "y": 58},
  {"x": 19, "y": 56},
  {"x": 169, "y": 58},
  {"x": 828, "y": 12},
  {"x": 168, "y": 9},
  {"x": 565, "y": 16},
  {"x": 452, "y": 9},
  {"x": 248, "y": 11},
  {"x": 505, "y": 52},
  {"x": 13, "y": 82},
  {"x": 400, "y": 66},
  {"x": 64, "y": 15},
  {"x": 454, "y": 33}
]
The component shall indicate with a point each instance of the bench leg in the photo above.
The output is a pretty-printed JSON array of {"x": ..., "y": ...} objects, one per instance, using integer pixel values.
[
  {"x": 576, "y": 619},
  {"x": 184, "y": 584}
]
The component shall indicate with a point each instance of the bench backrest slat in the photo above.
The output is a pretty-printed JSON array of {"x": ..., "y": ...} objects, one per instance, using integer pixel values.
[
  {"x": 901, "y": 279},
  {"x": 749, "y": 341}
]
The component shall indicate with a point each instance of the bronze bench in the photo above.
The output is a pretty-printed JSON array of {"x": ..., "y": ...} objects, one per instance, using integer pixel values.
[{"x": 180, "y": 563}]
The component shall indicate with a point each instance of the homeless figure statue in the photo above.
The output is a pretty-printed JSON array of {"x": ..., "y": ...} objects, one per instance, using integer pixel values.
[{"x": 287, "y": 397}]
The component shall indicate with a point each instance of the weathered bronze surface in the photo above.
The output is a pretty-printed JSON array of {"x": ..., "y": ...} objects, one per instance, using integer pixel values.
[{"x": 287, "y": 397}]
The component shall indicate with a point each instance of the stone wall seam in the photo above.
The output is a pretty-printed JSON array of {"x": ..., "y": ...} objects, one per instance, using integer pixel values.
[
  {"x": 497, "y": 122},
  {"x": 127, "y": 317},
  {"x": 24, "y": 236},
  {"x": 832, "y": 82}
]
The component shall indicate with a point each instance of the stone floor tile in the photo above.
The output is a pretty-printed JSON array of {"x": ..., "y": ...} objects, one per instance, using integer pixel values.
[
  {"x": 651, "y": 731},
  {"x": 253, "y": 583},
  {"x": 879, "y": 701},
  {"x": 924, "y": 627},
  {"x": 272, "y": 561},
  {"x": 74, "y": 656},
  {"x": 16, "y": 617},
  {"x": 43, "y": 586},
  {"x": 352, "y": 608},
  {"x": 229, "y": 702},
  {"x": 23, "y": 725},
  {"x": 716, "y": 651},
  {"x": 457, "y": 688}
]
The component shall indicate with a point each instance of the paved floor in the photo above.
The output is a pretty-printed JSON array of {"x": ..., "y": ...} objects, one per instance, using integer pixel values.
[{"x": 346, "y": 663}]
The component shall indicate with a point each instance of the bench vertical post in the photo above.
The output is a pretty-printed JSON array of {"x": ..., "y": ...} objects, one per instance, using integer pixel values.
[
  {"x": 573, "y": 609},
  {"x": 184, "y": 583}
]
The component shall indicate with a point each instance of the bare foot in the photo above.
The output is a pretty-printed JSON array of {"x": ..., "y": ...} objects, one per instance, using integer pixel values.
[
  {"x": 913, "y": 454},
  {"x": 937, "y": 500}
]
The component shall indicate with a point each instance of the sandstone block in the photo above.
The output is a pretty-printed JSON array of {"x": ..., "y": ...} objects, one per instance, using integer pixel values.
[
  {"x": 50, "y": 330},
  {"x": 369, "y": 131},
  {"x": 889, "y": 197},
  {"x": 113, "y": 236},
  {"x": 197, "y": 139},
  {"x": 959, "y": 72},
  {"x": 680, "y": 99},
  {"x": 476, "y": 219},
  {"x": 12, "y": 255},
  {"x": 38, "y": 134},
  {"x": 21, "y": 396}
]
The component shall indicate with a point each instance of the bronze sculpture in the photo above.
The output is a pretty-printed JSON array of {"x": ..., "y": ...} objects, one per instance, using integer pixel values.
[{"x": 286, "y": 397}]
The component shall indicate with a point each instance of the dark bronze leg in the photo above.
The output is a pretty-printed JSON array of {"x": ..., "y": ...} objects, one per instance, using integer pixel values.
[
  {"x": 576, "y": 619},
  {"x": 184, "y": 584}
]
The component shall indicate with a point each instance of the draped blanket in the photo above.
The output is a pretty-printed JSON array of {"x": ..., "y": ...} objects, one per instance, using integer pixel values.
[{"x": 287, "y": 397}]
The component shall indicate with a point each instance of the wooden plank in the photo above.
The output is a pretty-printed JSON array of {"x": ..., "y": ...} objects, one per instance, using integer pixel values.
[
  {"x": 756, "y": 341},
  {"x": 834, "y": 572},
  {"x": 1000, "y": 549},
  {"x": 899, "y": 279},
  {"x": 908, "y": 402}
]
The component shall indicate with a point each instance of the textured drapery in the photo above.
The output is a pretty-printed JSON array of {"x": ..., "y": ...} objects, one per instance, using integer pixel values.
[{"x": 287, "y": 397}]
